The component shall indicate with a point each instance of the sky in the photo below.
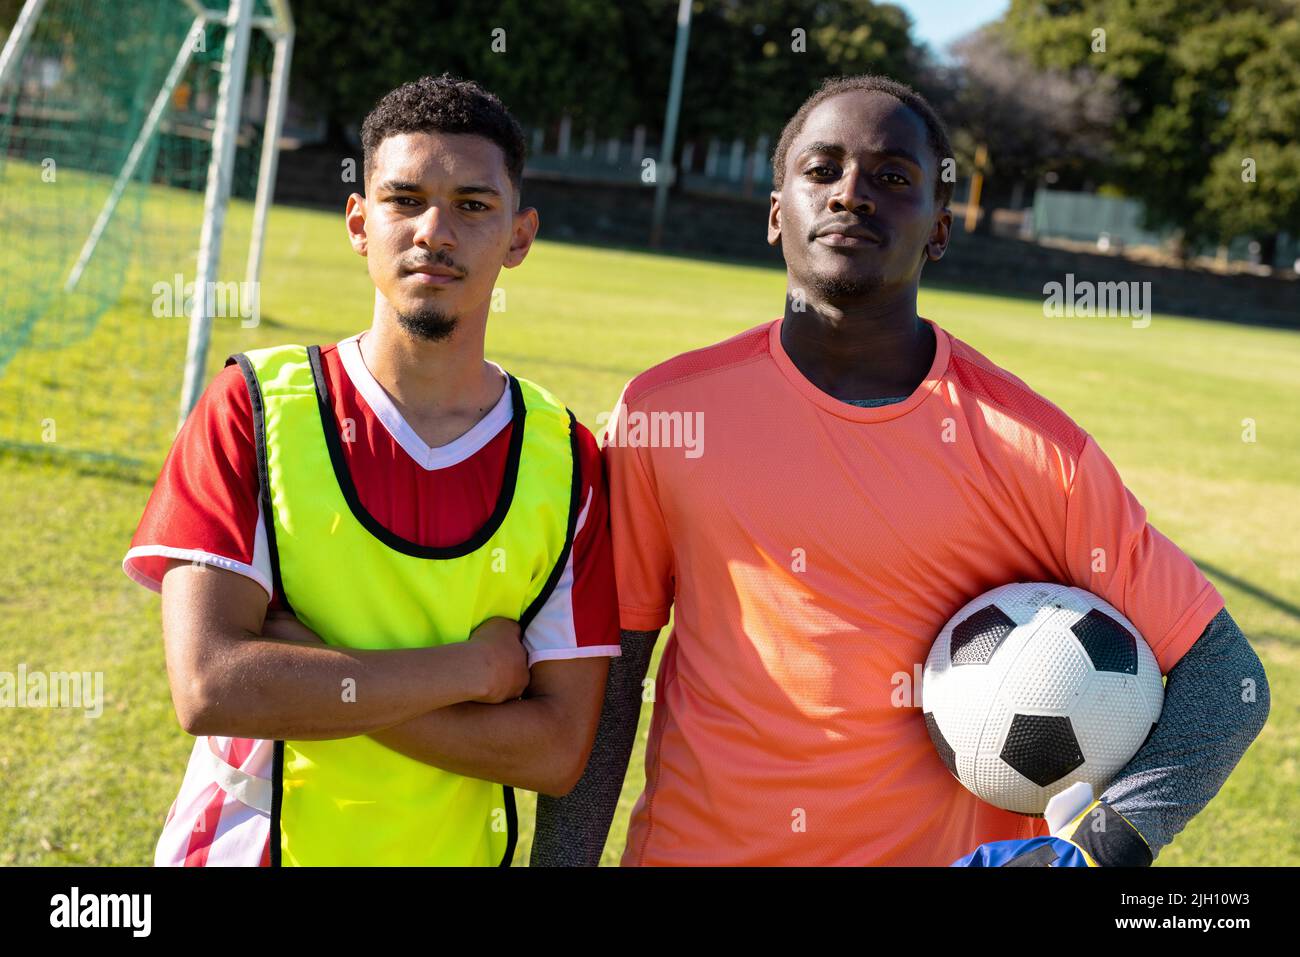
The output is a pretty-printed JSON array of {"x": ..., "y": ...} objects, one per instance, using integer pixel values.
[{"x": 939, "y": 22}]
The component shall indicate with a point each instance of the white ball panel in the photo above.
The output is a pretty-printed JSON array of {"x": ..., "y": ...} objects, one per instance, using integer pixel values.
[
  {"x": 996, "y": 782},
  {"x": 1110, "y": 722},
  {"x": 1050, "y": 675}
]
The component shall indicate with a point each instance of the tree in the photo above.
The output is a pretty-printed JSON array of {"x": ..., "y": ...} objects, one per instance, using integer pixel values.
[
  {"x": 1202, "y": 83},
  {"x": 1254, "y": 182},
  {"x": 559, "y": 57},
  {"x": 752, "y": 64},
  {"x": 1031, "y": 119},
  {"x": 604, "y": 64}
]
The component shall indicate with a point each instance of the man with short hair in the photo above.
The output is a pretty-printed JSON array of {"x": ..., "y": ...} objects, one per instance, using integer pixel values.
[
  {"x": 409, "y": 511},
  {"x": 865, "y": 473}
]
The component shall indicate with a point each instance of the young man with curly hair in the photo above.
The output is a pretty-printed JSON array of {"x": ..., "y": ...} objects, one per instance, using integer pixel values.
[{"x": 351, "y": 540}]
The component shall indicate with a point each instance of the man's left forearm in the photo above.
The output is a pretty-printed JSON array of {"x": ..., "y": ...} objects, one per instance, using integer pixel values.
[
  {"x": 1216, "y": 702},
  {"x": 539, "y": 742},
  {"x": 517, "y": 743}
]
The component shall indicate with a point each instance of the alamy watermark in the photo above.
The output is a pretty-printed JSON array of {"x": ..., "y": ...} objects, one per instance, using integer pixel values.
[
  {"x": 1086, "y": 298},
  {"x": 57, "y": 689},
  {"x": 75, "y": 909},
  {"x": 224, "y": 300},
  {"x": 657, "y": 429}
]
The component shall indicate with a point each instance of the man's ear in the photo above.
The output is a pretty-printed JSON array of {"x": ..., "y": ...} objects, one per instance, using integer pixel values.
[
  {"x": 522, "y": 234},
  {"x": 774, "y": 219},
  {"x": 354, "y": 215},
  {"x": 937, "y": 244}
]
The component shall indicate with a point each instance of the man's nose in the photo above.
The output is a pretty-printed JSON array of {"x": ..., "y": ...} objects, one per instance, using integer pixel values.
[
  {"x": 434, "y": 229},
  {"x": 853, "y": 193}
]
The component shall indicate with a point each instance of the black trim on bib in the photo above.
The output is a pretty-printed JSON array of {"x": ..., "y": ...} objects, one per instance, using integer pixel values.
[
  {"x": 512, "y": 825},
  {"x": 371, "y": 524},
  {"x": 263, "y": 472},
  {"x": 264, "y": 496},
  {"x": 575, "y": 499},
  {"x": 277, "y": 800}
]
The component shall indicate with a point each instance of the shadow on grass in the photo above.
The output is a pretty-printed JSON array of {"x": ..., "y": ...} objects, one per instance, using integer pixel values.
[
  {"x": 119, "y": 468},
  {"x": 1268, "y": 598}
]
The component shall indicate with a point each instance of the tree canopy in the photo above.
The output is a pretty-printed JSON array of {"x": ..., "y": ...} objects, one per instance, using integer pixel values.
[{"x": 1209, "y": 103}]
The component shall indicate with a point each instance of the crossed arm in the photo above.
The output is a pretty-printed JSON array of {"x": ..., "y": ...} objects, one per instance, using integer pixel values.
[{"x": 455, "y": 706}]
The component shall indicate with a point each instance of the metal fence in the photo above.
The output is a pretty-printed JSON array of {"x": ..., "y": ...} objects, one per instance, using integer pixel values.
[
  {"x": 715, "y": 166},
  {"x": 1114, "y": 222}
]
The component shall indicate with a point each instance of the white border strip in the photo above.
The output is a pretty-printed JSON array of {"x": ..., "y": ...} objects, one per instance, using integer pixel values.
[{"x": 189, "y": 555}]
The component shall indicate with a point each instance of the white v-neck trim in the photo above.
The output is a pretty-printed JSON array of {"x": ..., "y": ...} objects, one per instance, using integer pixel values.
[{"x": 428, "y": 458}]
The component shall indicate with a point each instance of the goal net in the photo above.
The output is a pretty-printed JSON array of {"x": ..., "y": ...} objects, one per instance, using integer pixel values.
[{"x": 114, "y": 215}]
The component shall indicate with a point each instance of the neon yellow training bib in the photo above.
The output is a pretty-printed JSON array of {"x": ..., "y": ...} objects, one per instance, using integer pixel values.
[{"x": 352, "y": 801}]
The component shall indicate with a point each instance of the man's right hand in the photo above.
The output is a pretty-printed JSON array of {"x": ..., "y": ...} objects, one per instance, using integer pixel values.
[{"x": 505, "y": 662}]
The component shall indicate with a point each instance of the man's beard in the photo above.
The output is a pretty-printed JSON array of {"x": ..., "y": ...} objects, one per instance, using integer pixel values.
[
  {"x": 427, "y": 322},
  {"x": 845, "y": 288}
]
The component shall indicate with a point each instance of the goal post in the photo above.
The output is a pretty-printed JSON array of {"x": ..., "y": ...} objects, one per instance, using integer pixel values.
[{"x": 239, "y": 23}]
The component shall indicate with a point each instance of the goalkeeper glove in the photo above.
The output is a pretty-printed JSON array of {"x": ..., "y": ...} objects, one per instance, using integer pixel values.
[{"x": 1096, "y": 836}]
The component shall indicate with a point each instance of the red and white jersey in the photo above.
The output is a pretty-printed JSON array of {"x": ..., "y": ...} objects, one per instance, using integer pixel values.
[{"x": 205, "y": 507}]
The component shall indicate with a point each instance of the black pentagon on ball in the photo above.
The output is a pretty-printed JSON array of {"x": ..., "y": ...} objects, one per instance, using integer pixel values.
[
  {"x": 941, "y": 744},
  {"x": 978, "y": 635},
  {"x": 1109, "y": 644},
  {"x": 1042, "y": 747}
]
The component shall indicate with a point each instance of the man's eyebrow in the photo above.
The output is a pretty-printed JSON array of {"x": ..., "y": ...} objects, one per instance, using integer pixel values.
[
  {"x": 830, "y": 149},
  {"x": 834, "y": 149},
  {"x": 474, "y": 188},
  {"x": 901, "y": 154},
  {"x": 405, "y": 186}
]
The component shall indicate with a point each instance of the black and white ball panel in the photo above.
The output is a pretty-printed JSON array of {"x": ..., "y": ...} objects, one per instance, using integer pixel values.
[{"x": 1034, "y": 686}]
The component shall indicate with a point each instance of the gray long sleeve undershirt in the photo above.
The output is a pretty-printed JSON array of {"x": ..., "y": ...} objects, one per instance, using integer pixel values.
[
  {"x": 571, "y": 831},
  {"x": 1216, "y": 702}
]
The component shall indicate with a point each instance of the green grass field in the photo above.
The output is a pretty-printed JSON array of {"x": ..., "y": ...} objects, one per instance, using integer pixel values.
[{"x": 1166, "y": 402}]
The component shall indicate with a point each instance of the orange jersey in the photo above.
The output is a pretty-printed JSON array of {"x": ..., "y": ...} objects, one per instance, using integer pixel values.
[{"x": 812, "y": 550}]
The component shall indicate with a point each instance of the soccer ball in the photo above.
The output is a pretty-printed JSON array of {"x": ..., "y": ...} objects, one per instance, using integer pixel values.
[{"x": 1033, "y": 687}]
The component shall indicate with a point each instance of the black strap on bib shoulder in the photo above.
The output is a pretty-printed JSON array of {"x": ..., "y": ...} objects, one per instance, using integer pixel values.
[
  {"x": 575, "y": 496},
  {"x": 396, "y": 542},
  {"x": 277, "y": 800},
  {"x": 263, "y": 475},
  {"x": 526, "y": 619}
]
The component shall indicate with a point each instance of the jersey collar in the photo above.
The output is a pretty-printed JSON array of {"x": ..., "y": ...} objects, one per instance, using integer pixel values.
[
  {"x": 855, "y": 413},
  {"x": 381, "y": 403}
]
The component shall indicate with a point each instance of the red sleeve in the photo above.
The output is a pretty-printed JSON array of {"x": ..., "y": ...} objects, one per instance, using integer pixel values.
[
  {"x": 595, "y": 602},
  {"x": 1114, "y": 552},
  {"x": 580, "y": 618},
  {"x": 204, "y": 506}
]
